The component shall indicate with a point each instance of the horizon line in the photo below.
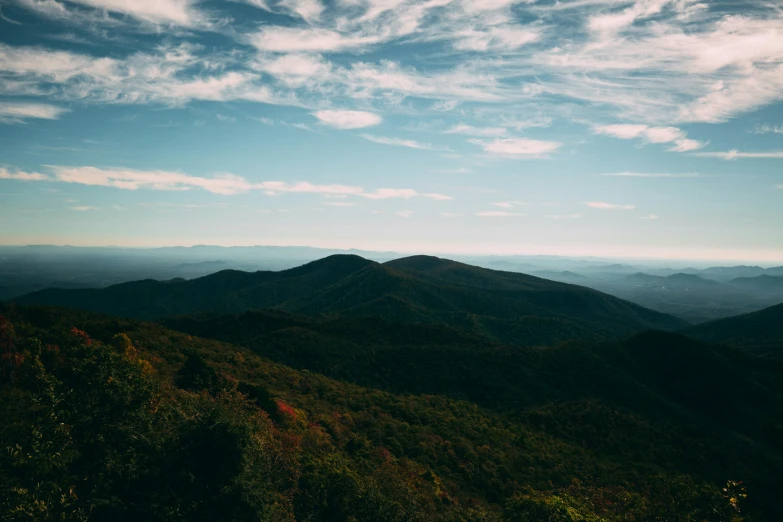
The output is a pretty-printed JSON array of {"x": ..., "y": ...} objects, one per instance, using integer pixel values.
[{"x": 546, "y": 252}]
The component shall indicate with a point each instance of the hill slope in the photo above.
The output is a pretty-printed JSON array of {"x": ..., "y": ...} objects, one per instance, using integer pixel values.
[
  {"x": 503, "y": 306},
  {"x": 604, "y": 432},
  {"x": 759, "y": 332}
]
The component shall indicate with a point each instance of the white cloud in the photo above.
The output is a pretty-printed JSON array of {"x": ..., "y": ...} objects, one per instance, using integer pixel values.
[
  {"x": 404, "y": 213},
  {"x": 172, "y": 75},
  {"x": 302, "y": 40},
  {"x": 497, "y": 213},
  {"x": 609, "y": 206},
  {"x": 398, "y": 142},
  {"x": 223, "y": 184},
  {"x": 387, "y": 193},
  {"x": 509, "y": 204},
  {"x": 736, "y": 154},
  {"x": 295, "y": 70},
  {"x": 308, "y": 10},
  {"x": 654, "y": 175},
  {"x": 624, "y": 131},
  {"x": 130, "y": 179},
  {"x": 339, "y": 204},
  {"x": 84, "y": 208},
  {"x": 348, "y": 119},
  {"x": 18, "y": 112},
  {"x": 628, "y": 131},
  {"x": 21, "y": 176},
  {"x": 686, "y": 145},
  {"x": 649, "y": 217},
  {"x": 564, "y": 216},
  {"x": 476, "y": 131},
  {"x": 451, "y": 214},
  {"x": 768, "y": 129},
  {"x": 518, "y": 147},
  {"x": 179, "y": 12}
]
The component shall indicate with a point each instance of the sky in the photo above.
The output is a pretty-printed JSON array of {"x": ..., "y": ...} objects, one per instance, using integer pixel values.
[{"x": 646, "y": 128}]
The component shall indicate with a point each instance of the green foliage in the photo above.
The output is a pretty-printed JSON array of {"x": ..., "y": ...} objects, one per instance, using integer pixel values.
[{"x": 98, "y": 430}]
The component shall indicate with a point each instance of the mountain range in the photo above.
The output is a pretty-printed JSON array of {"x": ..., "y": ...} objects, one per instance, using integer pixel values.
[{"x": 504, "y": 306}]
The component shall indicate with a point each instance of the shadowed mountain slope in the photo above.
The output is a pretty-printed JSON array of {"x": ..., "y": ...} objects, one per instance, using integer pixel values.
[
  {"x": 762, "y": 283},
  {"x": 759, "y": 332},
  {"x": 502, "y": 306}
]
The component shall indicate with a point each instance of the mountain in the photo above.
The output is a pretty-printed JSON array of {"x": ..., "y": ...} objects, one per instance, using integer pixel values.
[
  {"x": 502, "y": 306},
  {"x": 640, "y": 278},
  {"x": 726, "y": 273},
  {"x": 690, "y": 281},
  {"x": 763, "y": 283},
  {"x": 647, "y": 428},
  {"x": 759, "y": 332},
  {"x": 564, "y": 276}
]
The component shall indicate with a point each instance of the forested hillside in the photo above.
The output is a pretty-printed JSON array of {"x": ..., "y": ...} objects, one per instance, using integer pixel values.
[
  {"x": 110, "y": 419},
  {"x": 760, "y": 332}
]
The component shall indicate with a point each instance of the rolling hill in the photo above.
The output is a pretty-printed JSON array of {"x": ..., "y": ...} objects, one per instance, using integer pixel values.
[
  {"x": 759, "y": 332},
  {"x": 502, "y": 306},
  {"x": 764, "y": 283}
]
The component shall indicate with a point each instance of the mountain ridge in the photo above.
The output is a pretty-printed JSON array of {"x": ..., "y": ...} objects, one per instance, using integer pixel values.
[{"x": 416, "y": 289}]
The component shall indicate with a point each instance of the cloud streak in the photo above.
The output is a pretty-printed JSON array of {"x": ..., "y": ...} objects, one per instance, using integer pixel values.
[
  {"x": 400, "y": 142},
  {"x": 736, "y": 154},
  {"x": 347, "y": 119},
  {"x": 16, "y": 112},
  {"x": 225, "y": 184},
  {"x": 625, "y": 131},
  {"x": 518, "y": 147},
  {"x": 609, "y": 206}
]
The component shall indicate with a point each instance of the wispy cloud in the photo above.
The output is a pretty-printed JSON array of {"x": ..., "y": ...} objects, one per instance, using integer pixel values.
[
  {"x": 509, "y": 204},
  {"x": 179, "y": 12},
  {"x": 768, "y": 129},
  {"x": 400, "y": 142},
  {"x": 476, "y": 131},
  {"x": 339, "y": 204},
  {"x": 736, "y": 154},
  {"x": 497, "y": 213},
  {"x": 564, "y": 216},
  {"x": 348, "y": 119},
  {"x": 21, "y": 112},
  {"x": 654, "y": 174},
  {"x": 451, "y": 214},
  {"x": 609, "y": 206},
  {"x": 649, "y": 217},
  {"x": 626, "y": 131},
  {"x": 21, "y": 175},
  {"x": 84, "y": 208},
  {"x": 404, "y": 213},
  {"x": 519, "y": 147},
  {"x": 223, "y": 183}
]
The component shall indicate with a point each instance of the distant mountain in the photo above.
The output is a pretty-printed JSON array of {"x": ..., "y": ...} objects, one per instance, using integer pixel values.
[
  {"x": 762, "y": 283},
  {"x": 759, "y": 332},
  {"x": 691, "y": 281},
  {"x": 731, "y": 272},
  {"x": 640, "y": 278},
  {"x": 564, "y": 276},
  {"x": 503, "y": 306}
]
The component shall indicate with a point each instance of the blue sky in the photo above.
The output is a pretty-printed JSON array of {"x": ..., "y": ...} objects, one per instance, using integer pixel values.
[{"x": 646, "y": 128}]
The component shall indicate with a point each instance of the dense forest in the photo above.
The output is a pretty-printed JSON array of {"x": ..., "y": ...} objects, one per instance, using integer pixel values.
[{"x": 111, "y": 419}]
